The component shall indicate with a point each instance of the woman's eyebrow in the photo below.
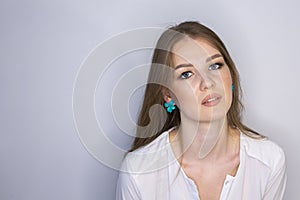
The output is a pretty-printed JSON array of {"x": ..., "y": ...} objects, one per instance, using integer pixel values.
[
  {"x": 207, "y": 60},
  {"x": 183, "y": 65},
  {"x": 213, "y": 57}
]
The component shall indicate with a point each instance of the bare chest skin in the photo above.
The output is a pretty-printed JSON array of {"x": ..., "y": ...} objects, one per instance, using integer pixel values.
[
  {"x": 209, "y": 174},
  {"x": 209, "y": 178}
]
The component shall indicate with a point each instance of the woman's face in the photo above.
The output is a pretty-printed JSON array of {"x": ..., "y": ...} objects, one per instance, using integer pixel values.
[{"x": 202, "y": 84}]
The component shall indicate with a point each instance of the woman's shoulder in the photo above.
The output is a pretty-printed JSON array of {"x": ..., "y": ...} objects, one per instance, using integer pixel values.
[
  {"x": 264, "y": 150},
  {"x": 149, "y": 157}
]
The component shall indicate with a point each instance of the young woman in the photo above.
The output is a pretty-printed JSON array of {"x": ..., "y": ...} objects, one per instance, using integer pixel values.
[{"x": 191, "y": 143}]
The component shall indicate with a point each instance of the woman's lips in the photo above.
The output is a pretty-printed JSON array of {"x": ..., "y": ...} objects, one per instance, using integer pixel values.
[{"x": 211, "y": 100}]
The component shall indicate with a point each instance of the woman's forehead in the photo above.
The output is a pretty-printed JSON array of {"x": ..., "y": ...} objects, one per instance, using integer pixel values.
[{"x": 192, "y": 50}]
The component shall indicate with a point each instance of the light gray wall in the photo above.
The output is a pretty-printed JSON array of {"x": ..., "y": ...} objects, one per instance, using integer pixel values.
[{"x": 43, "y": 44}]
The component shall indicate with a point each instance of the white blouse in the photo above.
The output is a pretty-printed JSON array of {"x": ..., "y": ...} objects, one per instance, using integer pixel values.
[{"x": 152, "y": 172}]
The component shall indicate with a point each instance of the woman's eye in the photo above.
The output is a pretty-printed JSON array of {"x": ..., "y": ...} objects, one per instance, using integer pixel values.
[
  {"x": 215, "y": 66},
  {"x": 186, "y": 75}
]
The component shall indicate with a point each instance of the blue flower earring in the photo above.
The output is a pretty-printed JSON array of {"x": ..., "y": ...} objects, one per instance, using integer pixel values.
[
  {"x": 170, "y": 106},
  {"x": 232, "y": 87}
]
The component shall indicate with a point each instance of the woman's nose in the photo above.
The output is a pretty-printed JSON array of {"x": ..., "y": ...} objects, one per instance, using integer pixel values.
[{"x": 206, "y": 83}]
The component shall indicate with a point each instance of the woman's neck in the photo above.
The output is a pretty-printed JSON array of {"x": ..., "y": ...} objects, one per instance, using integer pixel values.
[{"x": 205, "y": 141}]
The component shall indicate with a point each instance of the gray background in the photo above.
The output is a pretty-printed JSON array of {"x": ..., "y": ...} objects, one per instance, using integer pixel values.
[{"x": 43, "y": 44}]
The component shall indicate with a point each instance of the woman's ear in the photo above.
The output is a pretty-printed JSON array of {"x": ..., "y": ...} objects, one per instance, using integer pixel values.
[
  {"x": 166, "y": 95},
  {"x": 167, "y": 99}
]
